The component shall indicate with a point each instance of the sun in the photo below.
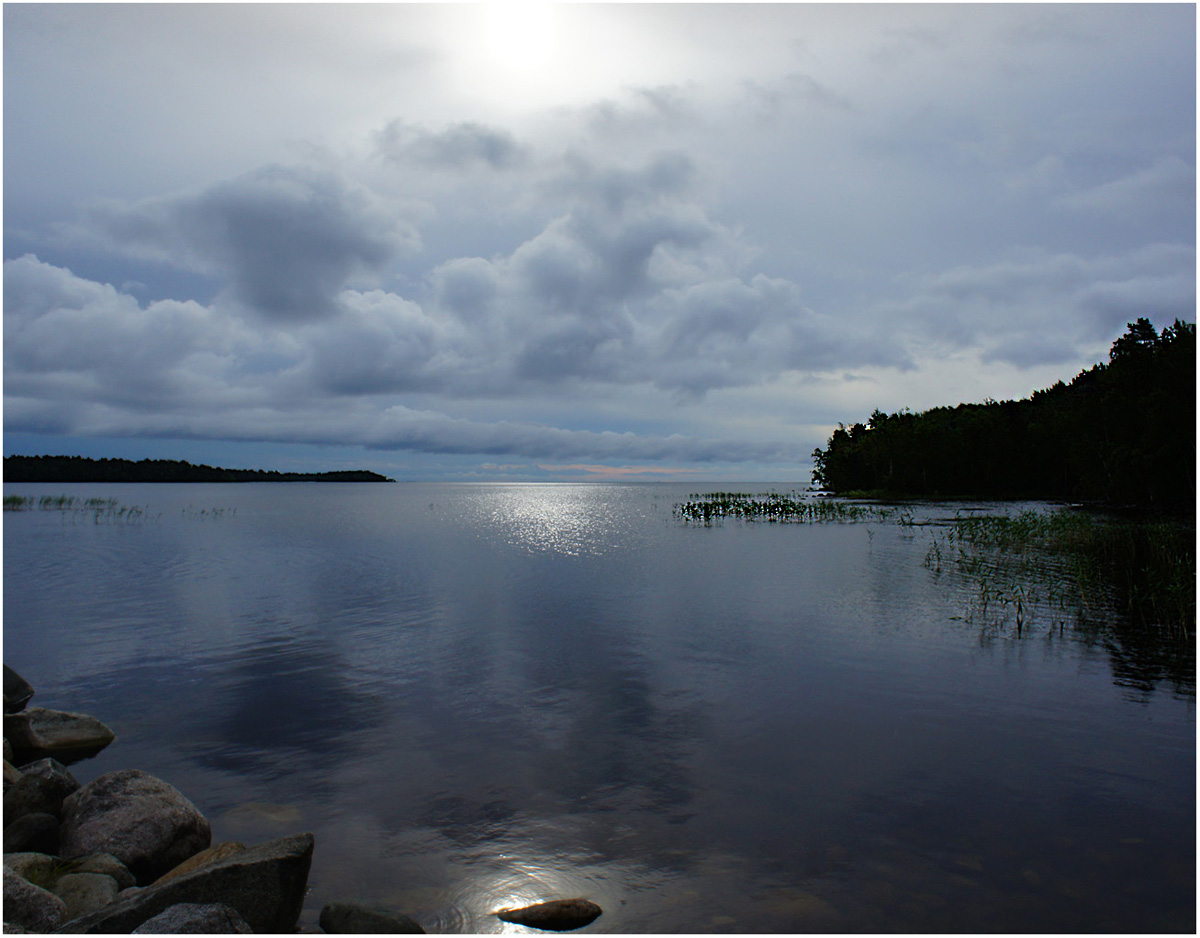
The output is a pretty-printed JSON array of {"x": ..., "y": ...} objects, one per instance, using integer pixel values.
[{"x": 521, "y": 35}]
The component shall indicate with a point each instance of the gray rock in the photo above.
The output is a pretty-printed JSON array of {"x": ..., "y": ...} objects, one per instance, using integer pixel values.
[
  {"x": 265, "y": 884},
  {"x": 104, "y": 863},
  {"x": 61, "y": 782},
  {"x": 17, "y": 691},
  {"x": 85, "y": 892},
  {"x": 359, "y": 918},
  {"x": 141, "y": 820},
  {"x": 30, "y": 906},
  {"x": 68, "y": 736},
  {"x": 11, "y": 773},
  {"x": 33, "y": 866},
  {"x": 36, "y": 832},
  {"x": 190, "y": 918},
  {"x": 44, "y": 870},
  {"x": 556, "y": 915},
  {"x": 31, "y": 794}
]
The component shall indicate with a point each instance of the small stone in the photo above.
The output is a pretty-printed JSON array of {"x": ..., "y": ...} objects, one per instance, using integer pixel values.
[
  {"x": 37, "y": 833},
  {"x": 30, "y": 906},
  {"x": 17, "y": 691},
  {"x": 85, "y": 892},
  {"x": 191, "y": 918},
  {"x": 556, "y": 915},
  {"x": 358, "y": 918}
]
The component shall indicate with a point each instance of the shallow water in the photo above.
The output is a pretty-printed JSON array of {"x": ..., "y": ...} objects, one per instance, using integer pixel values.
[{"x": 479, "y": 696}]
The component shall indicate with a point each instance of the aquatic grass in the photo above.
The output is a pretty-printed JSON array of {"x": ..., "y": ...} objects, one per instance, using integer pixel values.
[
  {"x": 75, "y": 508},
  {"x": 714, "y": 507},
  {"x": 1076, "y": 561}
]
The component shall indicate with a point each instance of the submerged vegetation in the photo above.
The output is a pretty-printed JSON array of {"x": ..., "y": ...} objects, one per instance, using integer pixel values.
[
  {"x": 1050, "y": 562},
  {"x": 101, "y": 509}
]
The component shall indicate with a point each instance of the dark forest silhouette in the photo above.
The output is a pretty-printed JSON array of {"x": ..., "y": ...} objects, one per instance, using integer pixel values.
[
  {"x": 1121, "y": 433},
  {"x": 83, "y": 469}
]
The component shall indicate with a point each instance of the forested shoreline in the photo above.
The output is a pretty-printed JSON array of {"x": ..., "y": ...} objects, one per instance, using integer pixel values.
[
  {"x": 1121, "y": 433},
  {"x": 84, "y": 469}
]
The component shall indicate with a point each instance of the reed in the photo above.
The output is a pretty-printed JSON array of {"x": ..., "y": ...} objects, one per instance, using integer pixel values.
[
  {"x": 1068, "y": 559},
  {"x": 714, "y": 507}
]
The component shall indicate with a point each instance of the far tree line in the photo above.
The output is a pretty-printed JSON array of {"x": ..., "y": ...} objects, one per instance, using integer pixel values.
[
  {"x": 1122, "y": 433},
  {"x": 83, "y": 469}
]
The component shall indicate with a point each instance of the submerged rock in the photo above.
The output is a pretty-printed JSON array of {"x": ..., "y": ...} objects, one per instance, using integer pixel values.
[
  {"x": 556, "y": 915},
  {"x": 17, "y": 691},
  {"x": 358, "y": 918},
  {"x": 141, "y": 820},
  {"x": 191, "y": 918},
  {"x": 68, "y": 736}
]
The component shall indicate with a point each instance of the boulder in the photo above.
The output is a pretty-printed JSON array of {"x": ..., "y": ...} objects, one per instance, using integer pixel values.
[
  {"x": 17, "y": 691},
  {"x": 31, "y": 794},
  {"x": 264, "y": 884},
  {"x": 357, "y": 918},
  {"x": 61, "y": 782},
  {"x": 11, "y": 773},
  {"x": 69, "y": 736},
  {"x": 30, "y": 907},
  {"x": 82, "y": 893},
  {"x": 104, "y": 863},
  {"x": 226, "y": 848},
  {"x": 45, "y": 870},
  {"x": 141, "y": 820},
  {"x": 36, "y": 832},
  {"x": 190, "y": 918},
  {"x": 556, "y": 915}
]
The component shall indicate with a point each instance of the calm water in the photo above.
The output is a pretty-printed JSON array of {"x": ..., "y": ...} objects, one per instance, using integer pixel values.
[{"x": 477, "y": 696}]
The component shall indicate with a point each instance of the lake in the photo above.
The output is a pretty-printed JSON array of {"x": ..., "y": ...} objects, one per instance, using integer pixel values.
[{"x": 482, "y": 695}]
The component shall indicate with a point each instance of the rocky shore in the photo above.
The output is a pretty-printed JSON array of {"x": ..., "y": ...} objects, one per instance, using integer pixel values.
[{"x": 129, "y": 854}]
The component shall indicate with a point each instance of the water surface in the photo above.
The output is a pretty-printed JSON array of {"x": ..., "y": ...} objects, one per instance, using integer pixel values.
[{"x": 478, "y": 696}]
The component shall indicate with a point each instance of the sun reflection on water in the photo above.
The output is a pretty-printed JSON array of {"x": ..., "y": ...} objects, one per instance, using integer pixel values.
[{"x": 561, "y": 518}]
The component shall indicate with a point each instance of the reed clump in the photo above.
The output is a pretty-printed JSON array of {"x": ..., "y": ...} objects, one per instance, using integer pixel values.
[
  {"x": 100, "y": 509},
  {"x": 1142, "y": 569},
  {"x": 714, "y": 507}
]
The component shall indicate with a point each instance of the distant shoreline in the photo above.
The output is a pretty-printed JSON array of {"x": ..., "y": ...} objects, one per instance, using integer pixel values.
[{"x": 61, "y": 469}]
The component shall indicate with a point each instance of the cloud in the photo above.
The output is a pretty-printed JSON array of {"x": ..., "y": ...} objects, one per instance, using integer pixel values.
[
  {"x": 84, "y": 359},
  {"x": 1168, "y": 183},
  {"x": 456, "y": 147},
  {"x": 1045, "y": 308},
  {"x": 285, "y": 239}
]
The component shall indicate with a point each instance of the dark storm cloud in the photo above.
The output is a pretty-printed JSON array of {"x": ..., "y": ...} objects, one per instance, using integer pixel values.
[{"x": 285, "y": 239}]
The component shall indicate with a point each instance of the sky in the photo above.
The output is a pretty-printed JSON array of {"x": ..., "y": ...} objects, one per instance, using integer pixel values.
[{"x": 524, "y": 241}]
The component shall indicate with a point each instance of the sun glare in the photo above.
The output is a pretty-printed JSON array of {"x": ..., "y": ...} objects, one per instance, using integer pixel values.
[{"x": 520, "y": 34}]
